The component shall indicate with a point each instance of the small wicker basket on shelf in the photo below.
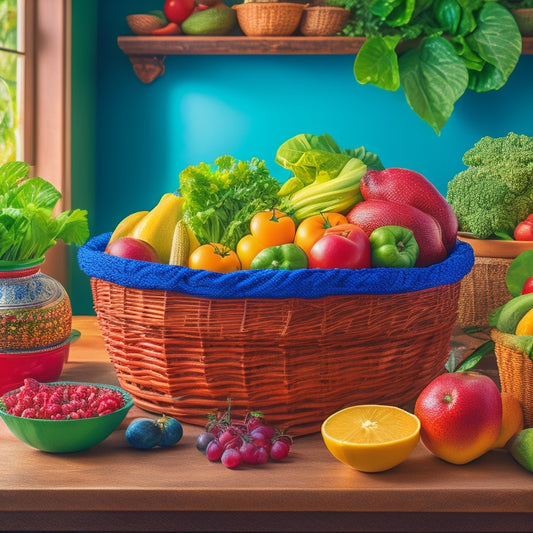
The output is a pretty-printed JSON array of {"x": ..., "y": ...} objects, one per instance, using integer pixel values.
[
  {"x": 296, "y": 359},
  {"x": 263, "y": 19},
  {"x": 515, "y": 369},
  {"x": 144, "y": 24},
  {"x": 323, "y": 20}
]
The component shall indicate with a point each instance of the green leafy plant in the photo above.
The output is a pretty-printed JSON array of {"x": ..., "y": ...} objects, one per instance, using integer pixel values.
[
  {"x": 27, "y": 225},
  {"x": 434, "y": 50}
]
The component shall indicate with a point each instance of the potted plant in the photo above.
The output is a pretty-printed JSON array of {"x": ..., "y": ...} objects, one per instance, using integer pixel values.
[
  {"x": 435, "y": 50},
  {"x": 35, "y": 310}
]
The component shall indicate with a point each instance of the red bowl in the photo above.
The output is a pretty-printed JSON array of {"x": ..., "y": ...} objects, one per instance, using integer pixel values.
[{"x": 44, "y": 365}]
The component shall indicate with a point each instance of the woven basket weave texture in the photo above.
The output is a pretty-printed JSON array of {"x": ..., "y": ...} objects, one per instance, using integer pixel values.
[
  {"x": 297, "y": 360},
  {"x": 515, "y": 369},
  {"x": 483, "y": 289},
  {"x": 269, "y": 18},
  {"x": 323, "y": 20}
]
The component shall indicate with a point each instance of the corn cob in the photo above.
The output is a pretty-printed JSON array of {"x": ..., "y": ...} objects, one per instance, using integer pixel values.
[{"x": 180, "y": 251}]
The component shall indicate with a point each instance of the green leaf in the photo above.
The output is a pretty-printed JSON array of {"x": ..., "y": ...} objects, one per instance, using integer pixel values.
[
  {"x": 497, "y": 41},
  {"x": 377, "y": 63},
  {"x": 520, "y": 269},
  {"x": 27, "y": 225},
  {"x": 473, "y": 359},
  {"x": 433, "y": 78}
]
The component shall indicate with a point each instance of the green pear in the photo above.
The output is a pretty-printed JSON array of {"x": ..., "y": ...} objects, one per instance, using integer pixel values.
[{"x": 521, "y": 448}]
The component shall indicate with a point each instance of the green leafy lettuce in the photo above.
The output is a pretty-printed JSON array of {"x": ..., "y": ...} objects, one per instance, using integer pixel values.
[
  {"x": 307, "y": 156},
  {"x": 221, "y": 199},
  {"x": 27, "y": 225}
]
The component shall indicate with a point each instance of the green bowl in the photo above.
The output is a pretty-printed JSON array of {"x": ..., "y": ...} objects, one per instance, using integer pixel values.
[{"x": 64, "y": 436}]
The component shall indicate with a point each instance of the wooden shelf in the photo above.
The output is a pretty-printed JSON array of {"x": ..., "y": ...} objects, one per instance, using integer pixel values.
[{"x": 147, "y": 54}]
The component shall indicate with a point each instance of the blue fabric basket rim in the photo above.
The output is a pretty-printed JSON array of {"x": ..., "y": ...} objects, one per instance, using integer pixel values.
[{"x": 272, "y": 284}]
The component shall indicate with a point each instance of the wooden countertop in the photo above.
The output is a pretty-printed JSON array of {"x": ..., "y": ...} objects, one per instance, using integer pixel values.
[{"x": 113, "y": 487}]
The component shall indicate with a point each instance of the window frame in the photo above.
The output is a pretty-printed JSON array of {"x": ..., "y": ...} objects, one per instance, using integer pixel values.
[{"x": 47, "y": 97}]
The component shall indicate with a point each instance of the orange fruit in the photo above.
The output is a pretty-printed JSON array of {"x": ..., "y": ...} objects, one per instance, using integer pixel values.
[
  {"x": 525, "y": 324},
  {"x": 512, "y": 419},
  {"x": 371, "y": 438}
]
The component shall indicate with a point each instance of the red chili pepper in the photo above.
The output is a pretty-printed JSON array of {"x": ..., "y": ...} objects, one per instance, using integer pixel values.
[{"x": 170, "y": 29}]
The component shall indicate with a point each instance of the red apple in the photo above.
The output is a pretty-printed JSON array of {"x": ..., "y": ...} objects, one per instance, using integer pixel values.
[
  {"x": 460, "y": 415},
  {"x": 131, "y": 248},
  {"x": 528, "y": 286},
  {"x": 342, "y": 246}
]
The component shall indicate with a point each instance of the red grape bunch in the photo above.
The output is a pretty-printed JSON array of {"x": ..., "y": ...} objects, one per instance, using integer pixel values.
[{"x": 251, "y": 441}]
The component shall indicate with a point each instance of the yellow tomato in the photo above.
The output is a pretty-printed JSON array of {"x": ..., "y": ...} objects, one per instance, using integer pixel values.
[
  {"x": 215, "y": 257},
  {"x": 247, "y": 248},
  {"x": 272, "y": 228},
  {"x": 312, "y": 228}
]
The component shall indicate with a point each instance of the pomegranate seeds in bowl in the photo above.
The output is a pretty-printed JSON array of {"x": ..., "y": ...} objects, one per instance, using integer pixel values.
[{"x": 64, "y": 416}]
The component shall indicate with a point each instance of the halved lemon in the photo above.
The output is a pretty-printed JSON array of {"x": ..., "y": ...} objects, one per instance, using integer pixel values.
[{"x": 371, "y": 438}]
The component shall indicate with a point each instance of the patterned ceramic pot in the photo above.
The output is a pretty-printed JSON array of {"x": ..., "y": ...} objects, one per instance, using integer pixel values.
[{"x": 35, "y": 310}]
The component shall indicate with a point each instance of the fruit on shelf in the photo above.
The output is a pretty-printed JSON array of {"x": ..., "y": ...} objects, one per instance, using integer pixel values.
[
  {"x": 461, "y": 416},
  {"x": 371, "y": 438},
  {"x": 147, "y": 433}
]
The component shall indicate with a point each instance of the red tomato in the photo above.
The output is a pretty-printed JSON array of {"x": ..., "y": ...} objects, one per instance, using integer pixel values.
[
  {"x": 314, "y": 227},
  {"x": 524, "y": 231},
  {"x": 178, "y": 10},
  {"x": 342, "y": 246},
  {"x": 528, "y": 286}
]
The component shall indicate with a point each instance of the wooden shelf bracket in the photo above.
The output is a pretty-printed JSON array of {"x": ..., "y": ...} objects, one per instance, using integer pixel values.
[{"x": 148, "y": 67}]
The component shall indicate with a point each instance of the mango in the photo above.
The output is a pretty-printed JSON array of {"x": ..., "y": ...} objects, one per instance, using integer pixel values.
[{"x": 217, "y": 20}]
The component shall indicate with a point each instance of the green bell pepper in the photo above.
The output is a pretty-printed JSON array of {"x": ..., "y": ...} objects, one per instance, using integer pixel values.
[
  {"x": 393, "y": 246},
  {"x": 282, "y": 257}
]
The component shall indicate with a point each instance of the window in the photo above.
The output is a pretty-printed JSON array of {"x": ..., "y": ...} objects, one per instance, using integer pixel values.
[{"x": 34, "y": 98}]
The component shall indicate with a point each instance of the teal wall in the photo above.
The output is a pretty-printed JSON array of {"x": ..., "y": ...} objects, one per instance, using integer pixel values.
[{"x": 206, "y": 106}]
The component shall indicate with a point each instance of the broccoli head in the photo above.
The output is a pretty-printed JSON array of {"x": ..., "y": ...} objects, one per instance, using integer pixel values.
[{"x": 495, "y": 192}]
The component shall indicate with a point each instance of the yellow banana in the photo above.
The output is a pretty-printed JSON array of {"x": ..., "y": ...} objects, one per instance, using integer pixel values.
[
  {"x": 126, "y": 225},
  {"x": 157, "y": 227}
]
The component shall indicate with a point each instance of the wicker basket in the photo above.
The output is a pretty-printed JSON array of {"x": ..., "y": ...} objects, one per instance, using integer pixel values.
[
  {"x": 323, "y": 20},
  {"x": 269, "y": 18},
  {"x": 181, "y": 352},
  {"x": 144, "y": 24},
  {"x": 483, "y": 289},
  {"x": 515, "y": 369}
]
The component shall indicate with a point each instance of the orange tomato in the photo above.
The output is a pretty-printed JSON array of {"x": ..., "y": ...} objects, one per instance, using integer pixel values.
[
  {"x": 312, "y": 228},
  {"x": 247, "y": 248},
  {"x": 215, "y": 257},
  {"x": 272, "y": 228}
]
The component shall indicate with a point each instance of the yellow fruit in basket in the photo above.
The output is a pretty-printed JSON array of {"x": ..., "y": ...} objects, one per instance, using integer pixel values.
[
  {"x": 525, "y": 324},
  {"x": 371, "y": 438},
  {"x": 126, "y": 225},
  {"x": 157, "y": 227},
  {"x": 512, "y": 419}
]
